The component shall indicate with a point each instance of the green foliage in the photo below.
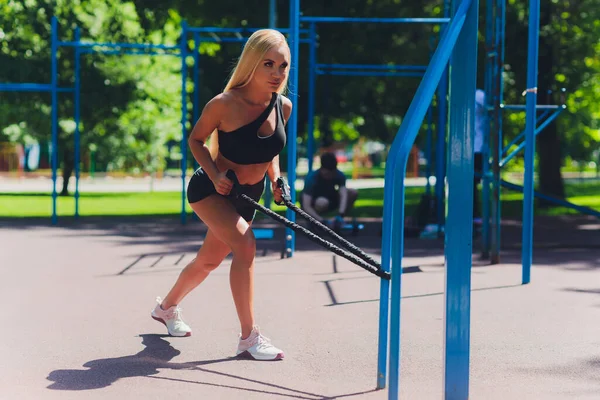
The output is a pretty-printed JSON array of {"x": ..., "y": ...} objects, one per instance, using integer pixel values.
[{"x": 131, "y": 105}]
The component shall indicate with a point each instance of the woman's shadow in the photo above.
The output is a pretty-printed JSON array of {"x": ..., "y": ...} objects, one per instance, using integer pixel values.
[
  {"x": 156, "y": 355},
  {"x": 104, "y": 372}
]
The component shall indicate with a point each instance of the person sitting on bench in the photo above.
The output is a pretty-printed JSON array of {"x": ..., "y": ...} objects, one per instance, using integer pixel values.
[{"x": 325, "y": 191}]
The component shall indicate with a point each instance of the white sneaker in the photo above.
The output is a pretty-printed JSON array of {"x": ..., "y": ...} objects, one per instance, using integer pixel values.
[
  {"x": 258, "y": 347},
  {"x": 171, "y": 317}
]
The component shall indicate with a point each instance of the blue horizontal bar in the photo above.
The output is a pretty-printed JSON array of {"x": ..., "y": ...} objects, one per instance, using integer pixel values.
[
  {"x": 25, "y": 87},
  {"x": 555, "y": 200},
  {"x": 119, "y": 45},
  {"x": 234, "y": 30},
  {"x": 377, "y": 20},
  {"x": 31, "y": 87},
  {"x": 127, "y": 52},
  {"x": 370, "y": 73},
  {"x": 539, "y": 107},
  {"x": 373, "y": 66}
]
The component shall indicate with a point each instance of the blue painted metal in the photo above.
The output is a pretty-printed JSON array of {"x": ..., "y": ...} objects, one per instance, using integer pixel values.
[
  {"x": 371, "y": 73},
  {"x": 294, "y": 42},
  {"x": 428, "y": 149},
  {"x": 312, "y": 77},
  {"x": 497, "y": 76},
  {"x": 184, "y": 52},
  {"x": 393, "y": 212},
  {"x": 31, "y": 87},
  {"x": 77, "y": 118},
  {"x": 272, "y": 13},
  {"x": 459, "y": 226},
  {"x": 126, "y": 52},
  {"x": 521, "y": 135},
  {"x": 377, "y": 20},
  {"x": 531, "y": 100},
  {"x": 555, "y": 200},
  {"x": 54, "y": 112},
  {"x": 440, "y": 153},
  {"x": 522, "y": 145},
  {"x": 146, "y": 46},
  {"x": 373, "y": 66}
]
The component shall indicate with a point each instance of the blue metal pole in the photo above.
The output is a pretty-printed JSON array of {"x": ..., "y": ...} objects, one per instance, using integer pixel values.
[
  {"x": 392, "y": 244},
  {"x": 415, "y": 74},
  {"x": 54, "y": 129},
  {"x": 312, "y": 76},
  {"x": 146, "y": 46},
  {"x": 532, "y": 71},
  {"x": 272, "y": 13},
  {"x": 377, "y": 20},
  {"x": 77, "y": 118},
  {"x": 523, "y": 144},
  {"x": 459, "y": 227},
  {"x": 496, "y": 235},
  {"x": 184, "y": 53},
  {"x": 196, "y": 99},
  {"x": 294, "y": 41},
  {"x": 521, "y": 135},
  {"x": 393, "y": 67},
  {"x": 428, "y": 150},
  {"x": 440, "y": 151}
]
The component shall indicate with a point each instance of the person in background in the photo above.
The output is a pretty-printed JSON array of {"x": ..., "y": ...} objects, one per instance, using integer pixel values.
[
  {"x": 480, "y": 121},
  {"x": 325, "y": 191}
]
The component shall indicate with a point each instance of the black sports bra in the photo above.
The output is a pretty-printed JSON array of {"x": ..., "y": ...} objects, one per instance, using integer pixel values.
[{"x": 245, "y": 146}]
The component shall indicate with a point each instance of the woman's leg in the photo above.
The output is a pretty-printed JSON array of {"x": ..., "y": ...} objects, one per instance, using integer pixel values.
[
  {"x": 209, "y": 257},
  {"x": 231, "y": 229}
]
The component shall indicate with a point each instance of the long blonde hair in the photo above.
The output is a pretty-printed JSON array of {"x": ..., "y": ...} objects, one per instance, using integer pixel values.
[{"x": 259, "y": 43}]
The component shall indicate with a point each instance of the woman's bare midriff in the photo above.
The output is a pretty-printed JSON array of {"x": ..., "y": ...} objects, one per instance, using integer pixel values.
[{"x": 246, "y": 174}]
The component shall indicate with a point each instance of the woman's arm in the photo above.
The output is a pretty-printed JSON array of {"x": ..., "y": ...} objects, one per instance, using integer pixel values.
[{"x": 208, "y": 122}]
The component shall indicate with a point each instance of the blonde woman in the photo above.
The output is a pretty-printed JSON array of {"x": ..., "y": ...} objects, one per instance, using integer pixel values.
[{"x": 246, "y": 124}]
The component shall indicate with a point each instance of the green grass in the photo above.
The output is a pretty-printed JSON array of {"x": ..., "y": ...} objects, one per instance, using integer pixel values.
[{"x": 369, "y": 204}]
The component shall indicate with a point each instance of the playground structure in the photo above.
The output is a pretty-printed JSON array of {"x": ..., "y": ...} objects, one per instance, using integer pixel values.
[{"x": 457, "y": 46}]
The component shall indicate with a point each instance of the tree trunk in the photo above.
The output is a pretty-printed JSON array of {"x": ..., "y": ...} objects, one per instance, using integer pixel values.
[{"x": 548, "y": 141}]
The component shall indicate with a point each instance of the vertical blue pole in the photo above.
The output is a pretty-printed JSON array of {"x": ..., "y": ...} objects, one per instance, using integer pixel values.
[
  {"x": 491, "y": 58},
  {"x": 440, "y": 151},
  {"x": 183, "y": 49},
  {"x": 532, "y": 71},
  {"x": 196, "y": 98},
  {"x": 77, "y": 117},
  {"x": 54, "y": 83},
  {"x": 290, "y": 242},
  {"x": 498, "y": 96},
  {"x": 312, "y": 76},
  {"x": 196, "y": 71},
  {"x": 428, "y": 149},
  {"x": 272, "y": 13},
  {"x": 459, "y": 227}
]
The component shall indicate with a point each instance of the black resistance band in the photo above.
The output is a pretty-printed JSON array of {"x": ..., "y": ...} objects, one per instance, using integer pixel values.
[{"x": 365, "y": 261}]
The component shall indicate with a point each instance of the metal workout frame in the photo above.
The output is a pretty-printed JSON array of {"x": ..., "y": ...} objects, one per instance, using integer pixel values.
[
  {"x": 458, "y": 46},
  {"x": 81, "y": 48}
]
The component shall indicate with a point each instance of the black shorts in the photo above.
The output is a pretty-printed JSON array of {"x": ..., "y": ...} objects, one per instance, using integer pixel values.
[{"x": 200, "y": 187}]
